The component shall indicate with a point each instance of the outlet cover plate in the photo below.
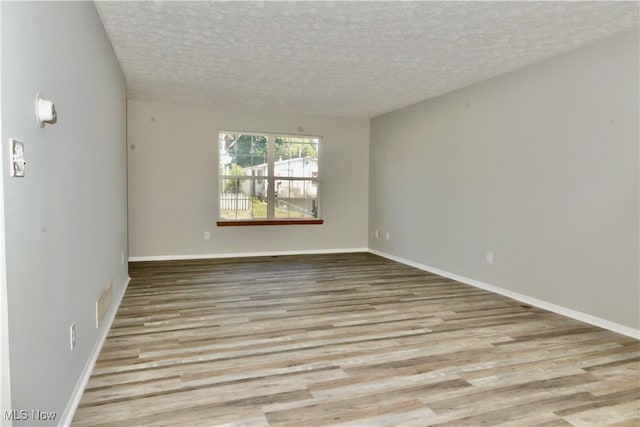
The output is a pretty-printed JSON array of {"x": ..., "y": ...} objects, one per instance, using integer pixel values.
[{"x": 72, "y": 336}]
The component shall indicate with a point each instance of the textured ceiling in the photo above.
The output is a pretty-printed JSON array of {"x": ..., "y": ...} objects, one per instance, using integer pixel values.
[{"x": 339, "y": 58}]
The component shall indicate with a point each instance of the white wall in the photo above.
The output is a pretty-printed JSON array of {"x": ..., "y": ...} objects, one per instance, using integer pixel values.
[
  {"x": 5, "y": 369},
  {"x": 173, "y": 182},
  {"x": 65, "y": 222},
  {"x": 539, "y": 166}
]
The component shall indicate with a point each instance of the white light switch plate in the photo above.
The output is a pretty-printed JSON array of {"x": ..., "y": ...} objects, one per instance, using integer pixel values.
[{"x": 16, "y": 157}]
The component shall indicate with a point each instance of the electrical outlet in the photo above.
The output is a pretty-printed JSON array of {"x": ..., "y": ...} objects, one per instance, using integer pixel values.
[
  {"x": 376, "y": 234},
  {"x": 207, "y": 235},
  {"x": 72, "y": 336},
  {"x": 121, "y": 257},
  {"x": 489, "y": 257},
  {"x": 388, "y": 236}
]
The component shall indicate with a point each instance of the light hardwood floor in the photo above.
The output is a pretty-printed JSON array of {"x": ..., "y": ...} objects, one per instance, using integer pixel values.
[{"x": 349, "y": 339}]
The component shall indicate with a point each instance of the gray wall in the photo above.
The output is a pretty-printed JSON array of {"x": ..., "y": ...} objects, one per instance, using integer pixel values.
[
  {"x": 539, "y": 166},
  {"x": 173, "y": 182},
  {"x": 65, "y": 222},
  {"x": 5, "y": 383}
]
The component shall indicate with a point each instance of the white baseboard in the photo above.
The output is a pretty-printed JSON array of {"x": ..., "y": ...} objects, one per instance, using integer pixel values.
[
  {"x": 74, "y": 400},
  {"x": 246, "y": 254},
  {"x": 564, "y": 311}
]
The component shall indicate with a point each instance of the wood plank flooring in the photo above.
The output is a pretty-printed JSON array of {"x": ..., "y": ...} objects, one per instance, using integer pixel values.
[{"x": 348, "y": 339}]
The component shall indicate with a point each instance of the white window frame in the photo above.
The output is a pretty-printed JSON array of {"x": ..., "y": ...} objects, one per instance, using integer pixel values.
[{"x": 271, "y": 179}]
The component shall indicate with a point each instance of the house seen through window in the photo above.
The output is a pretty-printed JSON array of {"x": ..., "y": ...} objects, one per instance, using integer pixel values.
[{"x": 266, "y": 177}]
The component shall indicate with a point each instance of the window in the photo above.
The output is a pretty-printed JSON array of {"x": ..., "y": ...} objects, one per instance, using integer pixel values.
[{"x": 268, "y": 179}]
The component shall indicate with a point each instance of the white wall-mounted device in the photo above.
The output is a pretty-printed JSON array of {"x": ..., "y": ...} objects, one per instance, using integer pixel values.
[
  {"x": 17, "y": 157},
  {"x": 45, "y": 110}
]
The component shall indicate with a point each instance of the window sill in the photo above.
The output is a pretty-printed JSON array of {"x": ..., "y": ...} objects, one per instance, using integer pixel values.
[{"x": 270, "y": 222}]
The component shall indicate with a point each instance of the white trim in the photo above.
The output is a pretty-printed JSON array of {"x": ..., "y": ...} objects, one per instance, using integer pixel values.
[
  {"x": 74, "y": 400},
  {"x": 564, "y": 311},
  {"x": 246, "y": 254}
]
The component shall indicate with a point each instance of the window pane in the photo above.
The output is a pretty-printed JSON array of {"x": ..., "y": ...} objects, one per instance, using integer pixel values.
[
  {"x": 258, "y": 208},
  {"x": 290, "y": 147},
  {"x": 296, "y": 199},
  {"x": 242, "y": 199},
  {"x": 296, "y": 156},
  {"x": 251, "y": 150},
  {"x": 227, "y": 151},
  {"x": 234, "y": 203}
]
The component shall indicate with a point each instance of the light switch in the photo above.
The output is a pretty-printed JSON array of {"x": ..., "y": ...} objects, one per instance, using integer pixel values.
[{"x": 17, "y": 158}]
